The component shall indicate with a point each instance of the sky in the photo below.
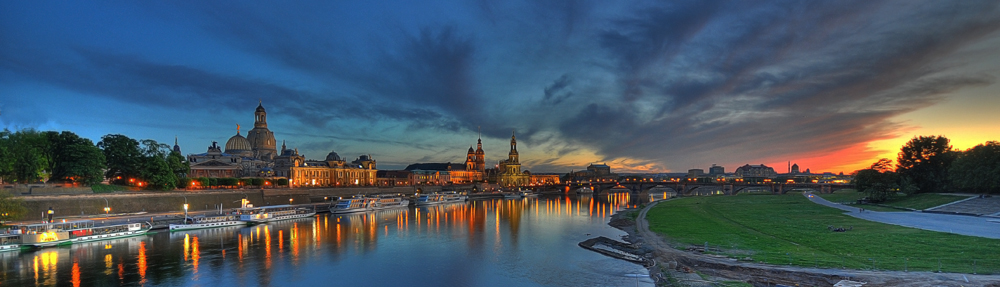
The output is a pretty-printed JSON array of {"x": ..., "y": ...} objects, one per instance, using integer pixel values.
[{"x": 644, "y": 86}]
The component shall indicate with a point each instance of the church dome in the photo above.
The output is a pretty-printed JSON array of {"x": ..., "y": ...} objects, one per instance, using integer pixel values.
[
  {"x": 237, "y": 144},
  {"x": 333, "y": 156}
]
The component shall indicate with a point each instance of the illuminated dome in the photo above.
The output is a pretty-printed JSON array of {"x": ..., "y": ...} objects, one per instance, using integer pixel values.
[{"x": 238, "y": 145}]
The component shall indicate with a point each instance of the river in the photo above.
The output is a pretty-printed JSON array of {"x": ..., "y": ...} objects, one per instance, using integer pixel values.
[{"x": 525, "y": 242}]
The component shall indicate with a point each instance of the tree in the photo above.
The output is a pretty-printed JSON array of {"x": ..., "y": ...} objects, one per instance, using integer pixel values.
[
  {"x": 27, "y": 150},
  {"x": 157, "y": 174},
  {"x": 123, "y": 157},
  {"x": 6, "y": 157},
  {"x": 924, "y": 160},
  {"x": 178, "y": 164},
  {"x": 977, "y": 169},
  {"x": 12, "y": 206},
  {"x": 75, "y": 159}
]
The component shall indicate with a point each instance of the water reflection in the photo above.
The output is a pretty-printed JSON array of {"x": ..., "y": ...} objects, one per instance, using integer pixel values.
[{"x": 496, "y": 242}]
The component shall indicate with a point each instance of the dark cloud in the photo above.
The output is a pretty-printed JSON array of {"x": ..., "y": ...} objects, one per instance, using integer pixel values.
[{"x": 657, "y": 84}]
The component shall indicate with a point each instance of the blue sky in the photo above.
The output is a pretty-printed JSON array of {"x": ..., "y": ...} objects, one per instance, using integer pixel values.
[{"x": 642, "y": 85}]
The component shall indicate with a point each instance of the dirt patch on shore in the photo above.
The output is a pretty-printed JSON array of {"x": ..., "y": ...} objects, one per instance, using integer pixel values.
[{"x": 678, "y": 267}]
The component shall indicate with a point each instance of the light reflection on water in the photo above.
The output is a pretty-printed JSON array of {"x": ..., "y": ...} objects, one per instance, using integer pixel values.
[{"x": 526, "y": 242}]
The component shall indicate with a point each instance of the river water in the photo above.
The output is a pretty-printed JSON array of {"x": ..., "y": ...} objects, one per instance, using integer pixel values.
[{"x": 525, "y": 242}]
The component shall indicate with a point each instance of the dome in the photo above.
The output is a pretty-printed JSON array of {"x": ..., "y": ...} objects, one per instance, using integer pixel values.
[
  {"x": 237, "y": 144},
  {"x": 333, "y": 156},
  {"x": 260, "y": 107}
]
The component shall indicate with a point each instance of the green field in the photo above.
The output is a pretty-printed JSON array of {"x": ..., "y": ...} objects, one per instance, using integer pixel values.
[
  {"x": 790, "y": 230},
  {"x": 915, "y": 201},
  {"x": 105, "y": 188}
]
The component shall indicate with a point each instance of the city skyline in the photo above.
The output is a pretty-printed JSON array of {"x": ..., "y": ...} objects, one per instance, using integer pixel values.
[{"x": 653, "y": 87}]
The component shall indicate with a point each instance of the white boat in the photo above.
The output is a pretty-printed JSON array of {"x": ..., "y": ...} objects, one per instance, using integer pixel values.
[
  {"x": 530, "y": 194},
  {"x": 201, "y": 222},
  {"x": 10, "y": 242},
  {"x": 271, "y": 213},
  {"x": 390, "y": 201},
  {"x": 584, "y": 190},
  {"x": 40, "y": 234},
  {"x": 440, "y": 198},
  {"x": 353, "y": 205},
  {"x": 88, "y": 230}
]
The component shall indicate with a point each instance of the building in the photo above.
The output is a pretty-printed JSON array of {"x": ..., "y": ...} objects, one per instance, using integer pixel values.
[
  {"x": 756, "y": 173},
  {"x": 716, "y": 170},
  {"x": 394, "y": 178},
  {"x": 594, "y": 172},
  {"x": 543, "y": 178},
  {"x": 215, "y": 163},
  {"x": 508, "y": 172},
  {"x": 256, "y": 156}
]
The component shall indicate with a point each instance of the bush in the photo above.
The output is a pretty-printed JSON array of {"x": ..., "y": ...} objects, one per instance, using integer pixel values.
[
  {"x": 256, "y": 181},
  {"x": 282, "y": 182}
]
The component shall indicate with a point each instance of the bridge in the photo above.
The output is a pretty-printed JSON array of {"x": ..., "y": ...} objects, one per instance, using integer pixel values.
[{"x": 697, "y": 188}]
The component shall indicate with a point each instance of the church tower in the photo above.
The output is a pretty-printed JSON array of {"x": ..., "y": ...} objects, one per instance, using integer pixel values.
[
  {"x": 513, "y": 165},
  {"x": 261, "y": 139},
  {"x": 480, "y": 155},
  {"x": 470, "y": 160}
]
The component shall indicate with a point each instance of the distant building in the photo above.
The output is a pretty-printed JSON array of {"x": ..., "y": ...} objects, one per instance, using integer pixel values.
[
  {"x": 508, "y": 172},
  {"x": 716, "y": 170},
  {"x": 695, "y": 173},
  {"x": 394, "y": 178},
  {"x": 215, "y": 163},
  {"x": 543, "y": 178},
  {"x": 594, "y": 172},
  {"x": 756, "y": 173},
  {"x": 795, "y": 169}
]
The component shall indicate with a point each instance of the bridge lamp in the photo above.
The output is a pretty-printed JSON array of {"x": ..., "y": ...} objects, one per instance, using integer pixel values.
[{"x": 185, "y": 211}]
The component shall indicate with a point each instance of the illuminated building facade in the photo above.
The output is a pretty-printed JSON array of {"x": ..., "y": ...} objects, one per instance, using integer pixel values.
[{"x": 508, "y": 172}]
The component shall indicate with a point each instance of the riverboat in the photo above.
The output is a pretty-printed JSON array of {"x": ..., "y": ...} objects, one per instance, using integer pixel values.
[
  {"x": 40, "y": 234},
  {"x": 88, "y": 230},
  {"x": 585, "y": 190},
  {"x": 201, "y": 222},
  {"x": 264, "y": 214},
  {"x": 440, "y": 198},
  {"x": 353, "y": 205},
  {"x": 10, "y": 242},
  {"x": 390, "y": 201}
]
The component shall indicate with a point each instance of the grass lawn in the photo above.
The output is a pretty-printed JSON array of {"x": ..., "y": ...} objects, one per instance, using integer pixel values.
[
  {"x": 916, "y": 201},
  {"x": 105, "y": 188},
  {"x": 788, "y": 229}
]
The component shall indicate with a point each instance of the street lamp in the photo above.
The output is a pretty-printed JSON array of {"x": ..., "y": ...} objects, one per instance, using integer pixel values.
[
  {"x": 185, "y": 208},
  {"x": 107, "y": 207},
  {"x": 289, "y": 200},
  {"x": 50, "y": 214}
]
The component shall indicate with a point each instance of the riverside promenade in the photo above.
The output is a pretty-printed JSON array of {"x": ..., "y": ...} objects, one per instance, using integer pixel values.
[{"x": 988, "y": 227}]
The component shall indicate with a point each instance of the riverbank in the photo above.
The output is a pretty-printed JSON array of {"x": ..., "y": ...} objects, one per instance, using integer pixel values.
[{"x": 674, "y": 265}]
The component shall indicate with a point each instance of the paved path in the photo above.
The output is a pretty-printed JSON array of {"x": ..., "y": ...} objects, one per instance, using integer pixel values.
[{"x": 958, "y": 224}]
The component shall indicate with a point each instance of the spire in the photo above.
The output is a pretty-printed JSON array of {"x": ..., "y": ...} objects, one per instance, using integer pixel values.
[
  {"x": 282, "y": 146},
  {"x": 237, "y": 128},
  {"x": 175, "y": 140}
]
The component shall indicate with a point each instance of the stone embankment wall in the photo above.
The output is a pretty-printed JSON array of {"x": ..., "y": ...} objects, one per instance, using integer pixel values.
[
  {"x": 173, "y": 201},
  {"x": 44, "y": 189}
]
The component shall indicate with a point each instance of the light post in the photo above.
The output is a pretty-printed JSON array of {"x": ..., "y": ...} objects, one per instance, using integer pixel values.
[
  {"x": 185, "y": 208},
  {"x": 107, "y": 207},
  {"x": 50, "y": 212},
  {"x": 289, "y": 201}
]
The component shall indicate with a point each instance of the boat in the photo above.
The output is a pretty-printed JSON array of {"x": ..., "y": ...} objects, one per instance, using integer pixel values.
[
  {"x": 88, "y": 230},
  {"x": 353, "y": 205},
  {"x": 390, "y": 201},
  {"x": 214, "y": 221},
  {"x": 440, "y": 198},
  {"x": 10, "y": 242},
  {"x": 529, "y": 193},
  {"x": 40, "y": 234},
  {"x": 264, "y": 214},
  {"x": 585, "y": 190}
]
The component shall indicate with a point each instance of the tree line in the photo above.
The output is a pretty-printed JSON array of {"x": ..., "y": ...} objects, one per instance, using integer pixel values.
[
  {"x": 29, "y": 156},
  {"x": 931, "y": 164}
]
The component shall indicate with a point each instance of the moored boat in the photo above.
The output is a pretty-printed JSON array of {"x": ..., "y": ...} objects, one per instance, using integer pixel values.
[
  {"x": 88, "y": 230},
  {"x": 390, "y": 201},
  {"x": 353, "y": 205},
  {"x": 513, "y": 195},
  {"x": 585, "y": 190},
  {"x": 440, "y": 198},
  {"x": 40, "y": 234},
  {"x": 10, "y": 242},
  {"x": 201, "y": 222},
  {"x": 271, "y": 213}
]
